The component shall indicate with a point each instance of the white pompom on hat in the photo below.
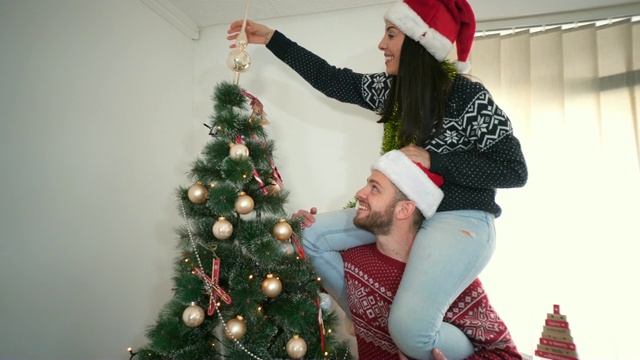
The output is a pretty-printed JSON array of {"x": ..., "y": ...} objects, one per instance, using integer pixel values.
[
  {"x": 437, "y": 25},
  {"x": 417, "y": 183}
]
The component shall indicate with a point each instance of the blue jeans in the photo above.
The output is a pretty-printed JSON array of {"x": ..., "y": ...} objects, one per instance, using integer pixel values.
[{"x": 449, "y": 252}]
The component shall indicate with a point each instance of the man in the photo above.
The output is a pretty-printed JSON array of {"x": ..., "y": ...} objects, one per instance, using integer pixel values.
[{"x": 391, "y": 206}]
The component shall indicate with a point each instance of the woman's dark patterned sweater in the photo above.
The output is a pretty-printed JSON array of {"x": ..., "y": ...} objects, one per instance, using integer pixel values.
[{"x": 476, "y": 152}]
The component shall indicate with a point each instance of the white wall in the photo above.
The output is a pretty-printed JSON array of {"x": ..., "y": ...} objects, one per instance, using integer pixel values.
[{"x": 95, "y": 134}]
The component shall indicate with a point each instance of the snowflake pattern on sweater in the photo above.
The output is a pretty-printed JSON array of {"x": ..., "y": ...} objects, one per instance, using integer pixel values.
[
  {"x": 477, "y": 151},
  {"x": 372, "y": 280}
]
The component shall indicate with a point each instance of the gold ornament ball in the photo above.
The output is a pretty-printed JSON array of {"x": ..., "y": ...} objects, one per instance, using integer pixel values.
[
  {"x": 271, "y": 286},
  {"x": 274, "y": 188},
  {"x": 282, "y": 230},
  {"x": 296, "y": 347},
  {"x": 244, "y": 204},
  {"x": 238, "y": 152},
  {"x": 239, "y": 60},
  {"x": 193, "y": 315},
  {"x": 198, "y": 193},
  {"x": 285, "y": 248},
  {"x": 325, "y": 301},
  {"x": 222, "y": 229},
  {"x": 236, "y": 328}
]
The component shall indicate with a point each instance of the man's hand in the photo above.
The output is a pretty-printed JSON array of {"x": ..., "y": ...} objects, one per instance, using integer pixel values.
[{"x": 308, "y": 217}]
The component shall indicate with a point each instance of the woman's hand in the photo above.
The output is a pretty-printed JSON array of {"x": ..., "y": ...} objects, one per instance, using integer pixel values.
[
  {"x": 437, "y": 355},
  {"x": 256, "y": 32},
  {"x": 417, "y": 154},
  {"x": 308, "y": 217}
]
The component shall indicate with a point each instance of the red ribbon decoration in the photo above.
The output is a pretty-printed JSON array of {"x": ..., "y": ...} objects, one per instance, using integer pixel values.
[
  {"x": 274, "y": 170},
  {"x": 256, "y": 105},
  {"x": 275, "y": 174},
  {"x": 298, "y": 247},
  {"x": 260, "y": 182},
  {"x": 320, "y": 322},
  {"x": 258, "y": 109},
  {"x": 241, "y": 140},
  {"x": 212, "y": 285}
]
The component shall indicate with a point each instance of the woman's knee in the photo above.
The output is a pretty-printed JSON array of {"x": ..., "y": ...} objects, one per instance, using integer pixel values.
[
  {"x": 310, "y": 241},
  {"x": 409, "y": 334}
]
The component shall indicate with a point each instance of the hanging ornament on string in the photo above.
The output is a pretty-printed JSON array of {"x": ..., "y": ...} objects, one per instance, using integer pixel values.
[
  {"x": 282, "y": 230},
  {"x": 239, "y": 60},
  {"x": 222, "y": 229},
  {"x": 271, "y": 286},
  {"x": 296, "y": 347},
  {"x": 193, "y": 315},
  {"x": 244, "y": 204},
  {"x": 236, "y": 328},
  {"x": 197, "y": 193}
]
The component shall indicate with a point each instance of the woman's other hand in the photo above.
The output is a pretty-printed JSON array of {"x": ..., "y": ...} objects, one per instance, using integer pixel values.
[{"x": 417, "y": 154}]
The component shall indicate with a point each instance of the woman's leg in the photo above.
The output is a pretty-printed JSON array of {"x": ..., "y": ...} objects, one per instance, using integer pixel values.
[
  {"x": 449, "y": 252},
  {"x": 322, "y": 242}
]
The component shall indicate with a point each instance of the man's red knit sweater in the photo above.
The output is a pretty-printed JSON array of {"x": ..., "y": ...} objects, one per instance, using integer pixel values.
[{"x": 372, "y": 280}]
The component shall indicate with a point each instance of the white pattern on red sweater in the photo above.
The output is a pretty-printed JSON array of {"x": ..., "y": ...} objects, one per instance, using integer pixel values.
[{"x": 372, "y": 280}]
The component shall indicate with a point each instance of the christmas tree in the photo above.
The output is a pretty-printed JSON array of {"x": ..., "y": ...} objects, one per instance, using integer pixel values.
[{"x": 243, "y": 288}]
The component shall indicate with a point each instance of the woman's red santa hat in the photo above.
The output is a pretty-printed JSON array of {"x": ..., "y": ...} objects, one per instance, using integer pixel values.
[{"x": 437, "y": 25}]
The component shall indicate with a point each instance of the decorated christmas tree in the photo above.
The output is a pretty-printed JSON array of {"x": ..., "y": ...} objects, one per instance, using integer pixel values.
[{"x": 243, "y": 288}]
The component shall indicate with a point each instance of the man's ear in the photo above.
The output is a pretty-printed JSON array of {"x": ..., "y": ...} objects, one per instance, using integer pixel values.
[{"x": 405, "y": 209}]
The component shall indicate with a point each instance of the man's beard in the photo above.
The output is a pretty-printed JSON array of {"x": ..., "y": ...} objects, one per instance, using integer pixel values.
[{"x": 377, "y": 222}]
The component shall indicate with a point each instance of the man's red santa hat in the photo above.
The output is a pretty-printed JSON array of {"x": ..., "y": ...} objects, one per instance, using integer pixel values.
[{"x": 416, "y": 182}]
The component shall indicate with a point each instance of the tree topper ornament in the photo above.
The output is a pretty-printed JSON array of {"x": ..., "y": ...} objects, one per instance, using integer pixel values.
[{"x": 239, "y": 60}]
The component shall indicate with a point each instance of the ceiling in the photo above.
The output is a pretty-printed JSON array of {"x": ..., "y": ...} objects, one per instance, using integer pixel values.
[{"x": 190, "y": 16}]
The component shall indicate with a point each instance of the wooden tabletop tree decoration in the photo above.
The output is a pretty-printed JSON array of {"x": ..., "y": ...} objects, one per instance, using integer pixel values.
[{"x": 556, "y": 341}]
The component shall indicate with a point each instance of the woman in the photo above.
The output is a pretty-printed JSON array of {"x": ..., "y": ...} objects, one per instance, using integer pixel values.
[{"x": 447, "y": 123}]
